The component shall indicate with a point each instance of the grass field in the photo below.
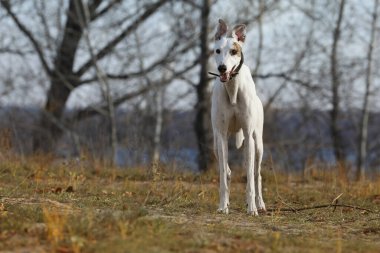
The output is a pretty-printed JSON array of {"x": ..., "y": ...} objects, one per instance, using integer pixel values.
[{"x": 48, "y": 206}]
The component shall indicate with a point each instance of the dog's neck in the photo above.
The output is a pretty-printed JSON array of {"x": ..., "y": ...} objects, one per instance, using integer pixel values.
[
  {"x": 231, "y": 85},
  {"x": 232, "y": 88}
]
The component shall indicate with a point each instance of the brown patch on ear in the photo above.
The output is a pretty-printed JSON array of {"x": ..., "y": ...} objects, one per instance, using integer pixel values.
[{"x": 237, "y": 47}]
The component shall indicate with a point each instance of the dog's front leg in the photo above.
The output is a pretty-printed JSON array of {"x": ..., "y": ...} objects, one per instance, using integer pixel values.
[
  {"x": 249, "y": 164},
  {"x": 224, "y": 173}
]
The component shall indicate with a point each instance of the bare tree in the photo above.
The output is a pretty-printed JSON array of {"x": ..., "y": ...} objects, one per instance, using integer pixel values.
[
  {"x": 260, "y": 38},
  {"x": 202, "y": 119},
  {"x": 335, "y": 86},
  {"x": 363, "y": 129},
  {"x": 104, "y": 84},
  {"x": 64, "y": 76},
  {"x": 154, "y": 112}
]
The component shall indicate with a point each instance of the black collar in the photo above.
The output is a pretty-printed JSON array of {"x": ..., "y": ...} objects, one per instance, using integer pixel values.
[{"x": 236, "y": 71}]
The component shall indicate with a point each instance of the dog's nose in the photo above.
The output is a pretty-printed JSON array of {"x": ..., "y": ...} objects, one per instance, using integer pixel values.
[{"x": 222, "y": 68}]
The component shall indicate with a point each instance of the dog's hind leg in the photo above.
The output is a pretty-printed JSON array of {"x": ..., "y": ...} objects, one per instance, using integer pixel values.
[
  {"x": 259, "y": 156},
  {"x": 249, "y": 158}
]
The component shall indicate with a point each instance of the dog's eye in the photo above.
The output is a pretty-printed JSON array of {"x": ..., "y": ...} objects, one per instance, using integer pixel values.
[
  {"x": 217, "y": 51},
  {"x": 233, "y": 52}
]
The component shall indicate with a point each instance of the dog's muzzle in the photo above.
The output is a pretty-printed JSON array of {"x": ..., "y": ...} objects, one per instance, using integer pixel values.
[{"x": 224, "y": 74}]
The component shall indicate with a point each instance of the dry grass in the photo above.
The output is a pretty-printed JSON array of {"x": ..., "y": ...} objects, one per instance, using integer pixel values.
[{"x": 50, "y": 206}]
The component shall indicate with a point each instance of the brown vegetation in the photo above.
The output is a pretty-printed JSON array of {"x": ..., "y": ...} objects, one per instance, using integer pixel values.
[{"x": 84, "y": 206}]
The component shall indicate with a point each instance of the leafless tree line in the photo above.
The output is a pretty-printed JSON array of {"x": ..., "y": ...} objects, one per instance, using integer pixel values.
[{"x": 314, "y": 56}]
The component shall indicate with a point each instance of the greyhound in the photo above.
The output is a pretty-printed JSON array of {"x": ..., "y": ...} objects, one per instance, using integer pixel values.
[{"x": 236, "y": 109}]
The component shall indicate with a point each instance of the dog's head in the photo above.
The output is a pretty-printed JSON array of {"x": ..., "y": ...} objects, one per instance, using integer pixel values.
[{"x": 228, "y": 48}]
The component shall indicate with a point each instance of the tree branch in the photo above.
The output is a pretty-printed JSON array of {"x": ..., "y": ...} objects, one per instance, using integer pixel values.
[
  {"x": 167, "y": 58},
  {"x": 287, "y": 77},
  {"x": 193, "y": 4},
  {"x": 94, "y": 110},
  {"x": 113, "y": 43},
  {"x": 318, "y": 207},
  {"x": 94, "y": 15},
  {"x": 7, "y": 6}
]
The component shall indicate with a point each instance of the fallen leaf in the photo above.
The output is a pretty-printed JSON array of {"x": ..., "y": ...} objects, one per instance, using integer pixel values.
[
  {"x": 376, "y": 199},
  {"x": 70, "y": 189},
  {"x": 57, "y": 190}
]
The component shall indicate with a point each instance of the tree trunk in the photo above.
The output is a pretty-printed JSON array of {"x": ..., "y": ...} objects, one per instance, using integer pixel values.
[
  {"x": 157, "y": 126},
  {"x": 260, "y": 38},
  {"x": 63, "y": 78},
  {"x": 49, "y": 127},
  {"x": 62, "y": 81},
  {"x": 363, "y": 136},
  {"x": 335, "y": 82},
  {"x": 202, "y": 122}
]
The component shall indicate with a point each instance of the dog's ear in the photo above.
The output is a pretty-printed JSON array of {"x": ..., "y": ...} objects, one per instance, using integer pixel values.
[
  {"x": 239, "y": 32},
  {"x": 221, "y": 30}
]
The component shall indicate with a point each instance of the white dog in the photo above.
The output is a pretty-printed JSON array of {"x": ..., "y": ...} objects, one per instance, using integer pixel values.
[{"x": 236, "y": 109}]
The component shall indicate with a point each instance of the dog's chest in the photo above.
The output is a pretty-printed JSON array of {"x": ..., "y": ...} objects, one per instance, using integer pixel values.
[
  {"x": 232, "y": 89},
  {"x": 235, "y": 113}
]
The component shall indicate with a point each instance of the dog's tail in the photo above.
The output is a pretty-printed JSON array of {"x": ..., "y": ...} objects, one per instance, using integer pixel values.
[{"x": 239, "y": 138}]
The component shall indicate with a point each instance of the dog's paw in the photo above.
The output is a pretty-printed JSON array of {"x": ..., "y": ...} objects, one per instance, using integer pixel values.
[
  {"x": 260, "y": 205},
  {"x": 222, "y": 210},
  {"x": 262, "y": 210},
  {"x": 252, "y": 212}
]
